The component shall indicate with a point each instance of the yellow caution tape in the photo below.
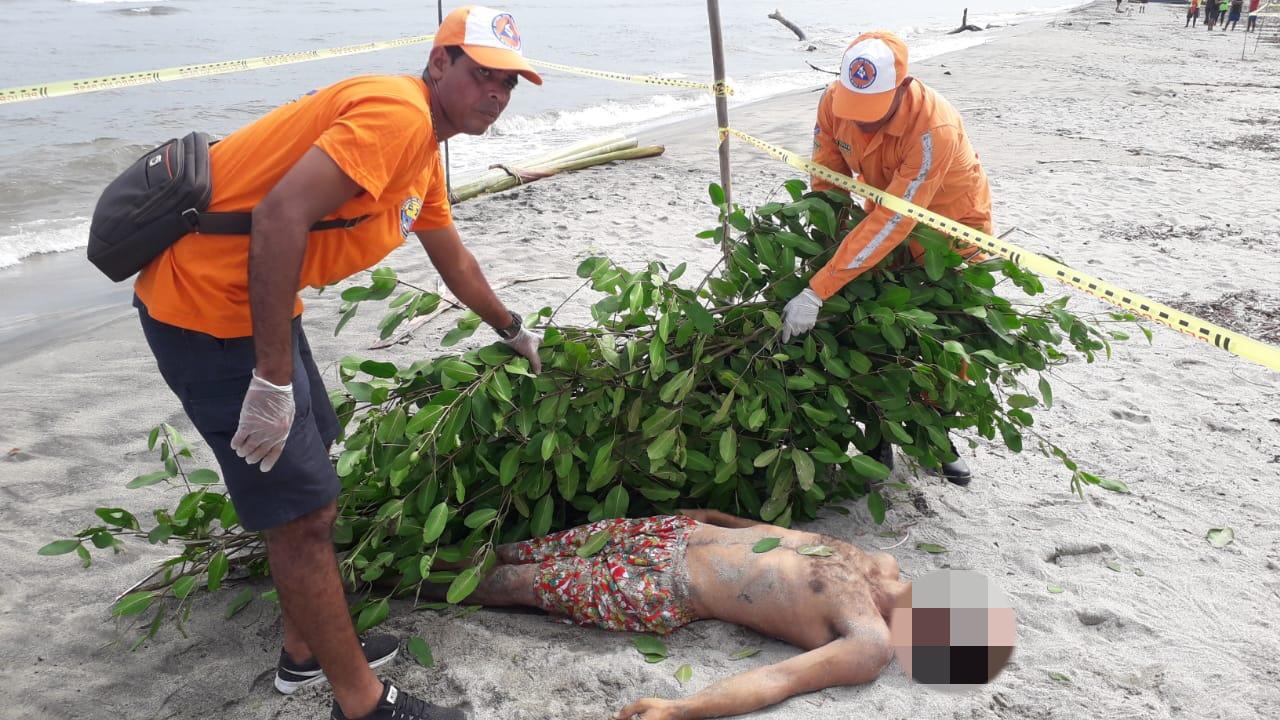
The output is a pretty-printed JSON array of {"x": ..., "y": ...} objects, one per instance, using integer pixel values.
[
  {"x": 111, "y": 82},
  {"x": 150, "y": 77},
  {"x": 714, "y": 88},
  {"x": 1241, "y": 345}
]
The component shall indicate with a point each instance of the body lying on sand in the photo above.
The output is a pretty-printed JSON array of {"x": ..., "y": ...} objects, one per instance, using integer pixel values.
[{"x": 823, "y": 595}]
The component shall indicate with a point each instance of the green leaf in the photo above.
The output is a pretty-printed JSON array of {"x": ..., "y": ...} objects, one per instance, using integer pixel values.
[
  {"x": 765, "y": 458},
  {"x": 183, "y": 586},
  {"x": 217, "y": 571},
  {"x": 480, "y": 518},
  {"x": 1021, "y": 402},
  {"x": 420, "y": 651},
  {"x": 594, "y": 544},
  {"x": 372, "y": 615},
  {"x": 729, "y": 445},
  {"x": 764, "y": 545},
  {"x": 1046, "y": 392},
  {"x": 1059, "y": 677},
  {"x": 1113, "y": 485},
  {"x": 463, "y": 585},
  {"x": 434, "y": 526},
  {"x": 59, "y": 547},
  {"x": 716, "y": 192},
  {"x": 133, "y": 603},
  {"x": 148, "y": 479},
  {"x": 649, "y": 645},
  {"x": 662, "y": 445},
  {"x": 875, "y": 505},
  {"x": 540, "y": 519},
  {"x": 869, "y": 467},
  {"x": 684, "y": 674},
  {"x": 744, "y": 653},
  {"x": 815, "y": 550},
  {"x": 931, "y": 548},
  {"x": 238, "y": 603},
  {"x": 1220, "y": 537},
  {"x": 935, "y": 264},
  {"x": 1054, "y": 588},
  {"x": 804, "y": 468},
  {"x": 203, "y": 476},
  {"x": 616, "y": 502}
]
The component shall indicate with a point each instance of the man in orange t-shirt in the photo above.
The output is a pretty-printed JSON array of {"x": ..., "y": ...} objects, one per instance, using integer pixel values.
[
  {"x": 222, "y": 316},
  {"x": 897, "y": 134}
]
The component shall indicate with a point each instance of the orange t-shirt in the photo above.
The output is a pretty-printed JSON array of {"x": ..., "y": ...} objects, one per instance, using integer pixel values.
[{"x": 378, "y": 131}]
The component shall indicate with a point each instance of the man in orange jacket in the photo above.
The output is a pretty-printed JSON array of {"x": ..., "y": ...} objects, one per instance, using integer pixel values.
[
  {"x": 897, "y": 134},
  {"x": 222, "y": 316}
]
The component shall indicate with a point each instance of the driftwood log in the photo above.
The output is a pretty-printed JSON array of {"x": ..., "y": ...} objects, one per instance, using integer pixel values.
[
  {"x": 777, "y": 15},
  {"x": 964, "y": 25}
]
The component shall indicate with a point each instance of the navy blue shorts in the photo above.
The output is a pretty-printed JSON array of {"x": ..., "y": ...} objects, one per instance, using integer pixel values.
[{"x": 210, "y": 376}]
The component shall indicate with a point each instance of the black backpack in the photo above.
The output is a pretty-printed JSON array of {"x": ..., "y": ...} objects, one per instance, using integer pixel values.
[{"x": 158, "y": 199}]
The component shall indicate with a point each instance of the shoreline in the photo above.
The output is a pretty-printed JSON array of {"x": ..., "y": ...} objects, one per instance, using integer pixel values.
[
  {"x": 1090, "y": 161},
  {"x": 75, "y": 297}
]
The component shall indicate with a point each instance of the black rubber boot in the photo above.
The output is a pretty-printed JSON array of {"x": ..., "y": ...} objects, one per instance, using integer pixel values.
[{"x": 956, "y": 471}]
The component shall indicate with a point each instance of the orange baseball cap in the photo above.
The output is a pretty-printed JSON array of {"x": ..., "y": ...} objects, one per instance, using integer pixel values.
[
  {"x": 488, "y": 37},
  {"x": 873, "y": 67}
]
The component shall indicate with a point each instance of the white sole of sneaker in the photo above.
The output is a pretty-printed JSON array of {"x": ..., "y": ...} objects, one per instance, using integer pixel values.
[{"x": 289, "y": 687}]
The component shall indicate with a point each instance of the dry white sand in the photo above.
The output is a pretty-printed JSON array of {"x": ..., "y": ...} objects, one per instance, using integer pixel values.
[{"x": 1132, "y": 148}]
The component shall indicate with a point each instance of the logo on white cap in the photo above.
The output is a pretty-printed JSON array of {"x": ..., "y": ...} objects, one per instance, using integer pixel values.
[
  {"x": 489, "y": 28},
  {"x": 868, "y": 68}
]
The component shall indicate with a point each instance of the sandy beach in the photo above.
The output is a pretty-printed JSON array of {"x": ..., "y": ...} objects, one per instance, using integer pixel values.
[{"x": 1124, "y": 145}]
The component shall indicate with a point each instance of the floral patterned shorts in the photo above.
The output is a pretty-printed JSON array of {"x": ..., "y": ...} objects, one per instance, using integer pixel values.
[{"x": 638, "y": 582}]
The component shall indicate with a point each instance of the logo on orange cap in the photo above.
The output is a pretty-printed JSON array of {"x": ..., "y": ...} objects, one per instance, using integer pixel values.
[
  {"x": 504, "y": 28},
  {"x": 862, "y": 73}
]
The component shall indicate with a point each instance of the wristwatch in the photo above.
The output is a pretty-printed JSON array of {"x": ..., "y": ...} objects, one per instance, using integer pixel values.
[{"x": 511, "y": 331}]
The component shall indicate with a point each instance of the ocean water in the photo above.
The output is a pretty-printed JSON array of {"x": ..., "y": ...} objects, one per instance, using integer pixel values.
[{"x": 57, "y": 154}]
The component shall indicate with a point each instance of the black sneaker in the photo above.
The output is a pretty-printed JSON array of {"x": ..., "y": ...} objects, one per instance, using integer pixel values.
[
  {"x": 398, "y": 705},
  {"x": 290, "y": 676}
]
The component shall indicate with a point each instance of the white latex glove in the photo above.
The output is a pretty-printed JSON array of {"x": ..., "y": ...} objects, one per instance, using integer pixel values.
[
  {"x": 265, "y": 419},
  {"x": 801, "y": 314},
  {"x": 526, "y": 343}
]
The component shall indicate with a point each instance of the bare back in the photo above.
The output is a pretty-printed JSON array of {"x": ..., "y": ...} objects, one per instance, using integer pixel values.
[{"x": 805, "y": 600}]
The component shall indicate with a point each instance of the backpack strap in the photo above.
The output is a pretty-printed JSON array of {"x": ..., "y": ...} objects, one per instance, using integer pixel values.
[{"x": 241, "y": 223}]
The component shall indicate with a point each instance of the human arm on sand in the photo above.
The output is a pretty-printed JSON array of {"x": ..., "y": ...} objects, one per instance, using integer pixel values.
[
  {"x": 856, "y": 658},
  {"x": 462, "y": 274},
  {"x": 721, "y": 519}
]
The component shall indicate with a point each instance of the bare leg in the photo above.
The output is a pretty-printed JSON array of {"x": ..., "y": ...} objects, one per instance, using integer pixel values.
[
  {"x": 306, "y": 573},
  {"x": 504, "y": 585}
]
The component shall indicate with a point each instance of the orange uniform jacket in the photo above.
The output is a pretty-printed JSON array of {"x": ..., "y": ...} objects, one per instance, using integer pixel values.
[
  {"x": 920, "y": 155},
  {"x": 377, "y": 129}
]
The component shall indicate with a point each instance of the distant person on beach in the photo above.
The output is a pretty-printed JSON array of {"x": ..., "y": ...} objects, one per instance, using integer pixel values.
[
  {"x": 223, "y": 319},
  {"x": 657, "y": 574},
  {"x": 1193, "y": 12},
  {"x": 1253, "y": 16},
  {"x": 1223, "y": 6},
  {"x": 1210, "y": 14},
  {"x": 1233, "y": 19},
  {"x": 902, "y": 137}
]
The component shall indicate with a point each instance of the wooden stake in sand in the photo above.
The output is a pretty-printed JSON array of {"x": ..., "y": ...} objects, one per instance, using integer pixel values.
[{"x": 722, "y": 115}]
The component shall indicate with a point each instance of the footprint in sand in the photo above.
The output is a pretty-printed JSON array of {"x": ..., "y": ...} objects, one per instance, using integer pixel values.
[{"x": 1129, "y": 416}]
